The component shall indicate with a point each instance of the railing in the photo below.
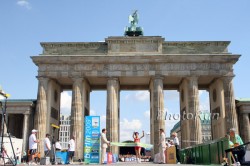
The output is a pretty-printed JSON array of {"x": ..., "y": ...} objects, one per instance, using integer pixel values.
[{"x": 207, "y": 153}]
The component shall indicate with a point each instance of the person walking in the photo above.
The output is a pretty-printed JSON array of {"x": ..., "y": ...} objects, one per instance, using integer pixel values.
[
  {"x": 33, "y": 146},
  {"x": 71, "y": 149},
  {"x": 104, "y": 144},
  {"x": 47, "y": 146},
  {"x": 162, "y": 147},
  {"x": 137, "y": 148},
  {"x": 177, "y": 146}
]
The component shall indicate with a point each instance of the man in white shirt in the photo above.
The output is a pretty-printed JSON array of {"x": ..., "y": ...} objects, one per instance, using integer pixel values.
[
  {"x": 71, "y": 149},
  {"x": 47, "y": 145},
  {"x": 104, "y": 144},
  {"x": 162, "y": 146},
  {"x": 177, "y": 146},
  {"x": 33, "y": 145},
  {"x": 58, "y": 145}
]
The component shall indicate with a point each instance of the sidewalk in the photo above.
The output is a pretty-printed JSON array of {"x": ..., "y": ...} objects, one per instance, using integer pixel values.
[{"x": 125, "y": 164}]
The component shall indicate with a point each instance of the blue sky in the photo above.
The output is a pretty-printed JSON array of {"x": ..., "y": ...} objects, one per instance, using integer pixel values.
[{"x": 24, "y": 24}]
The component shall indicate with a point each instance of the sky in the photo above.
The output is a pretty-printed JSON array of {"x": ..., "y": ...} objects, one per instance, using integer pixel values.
[{"x": 26, "y": 23}]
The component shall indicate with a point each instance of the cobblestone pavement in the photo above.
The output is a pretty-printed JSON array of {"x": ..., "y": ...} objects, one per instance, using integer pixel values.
[{"x": 124, "y": 164}]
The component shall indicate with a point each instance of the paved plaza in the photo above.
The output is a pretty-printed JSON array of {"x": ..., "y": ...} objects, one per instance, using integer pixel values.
[{"x": 128, "y": 163}]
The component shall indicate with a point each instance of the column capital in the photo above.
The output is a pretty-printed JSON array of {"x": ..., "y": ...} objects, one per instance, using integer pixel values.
[
  {"x": 158, "y": 77},
  {"x": 113, "y": 78},
  {"x": 76, "y": 78},
  {"x": 42, "y": 78},
  {"x": 192, "y": 78},
  {"x": 227, "y": 79}
]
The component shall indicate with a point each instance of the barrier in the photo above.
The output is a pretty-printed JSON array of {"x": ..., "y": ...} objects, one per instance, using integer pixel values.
[
  {"x": 170, "y": 155},
  {"x": 211, "y": 152},
  {"x": 64, "y": 157}
]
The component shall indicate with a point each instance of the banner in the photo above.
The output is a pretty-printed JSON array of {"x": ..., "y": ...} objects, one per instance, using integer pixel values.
[
  {"x": 147, "y": 146},
  {"x": 92, "y": 139}
]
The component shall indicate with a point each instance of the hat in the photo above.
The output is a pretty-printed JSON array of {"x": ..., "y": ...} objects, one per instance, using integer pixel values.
[
  {"x": 233, "y": 130},
  {"x": 34, "y": 131}
]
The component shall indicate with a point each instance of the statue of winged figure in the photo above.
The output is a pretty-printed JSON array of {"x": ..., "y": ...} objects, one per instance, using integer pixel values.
[
  {"x": 133, "y": 30},
  {"x": 133, "y": 20}
]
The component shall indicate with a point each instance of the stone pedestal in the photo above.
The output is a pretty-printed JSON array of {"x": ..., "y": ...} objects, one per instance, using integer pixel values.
[
  {"x": 157, "y": 114},
  {"x": 230, "y": 109},
  {"x": 193, "y": 103},
  {"x": 41, "y": 112},
  {"x": 76, "y": 128},
  {"x": 112, "y": 117}
]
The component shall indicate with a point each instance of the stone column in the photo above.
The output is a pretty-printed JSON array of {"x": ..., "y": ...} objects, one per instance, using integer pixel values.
[
  {"x": 230, "y": 109},
  {"x": 112, "y": 114},
  {"x": 41, "y": 111},
  {"x": 26, "y": 120},
  {"x": 245, "y": 127},
  {"x": 193, "y": 108},
  {"x": 76, "y": 128},
  {"x": 158, "y": 114}
]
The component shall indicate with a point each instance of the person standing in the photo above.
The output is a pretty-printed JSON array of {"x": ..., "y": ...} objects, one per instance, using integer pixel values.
[
  {"x": 162, "y": 146},
  {"x": 47, "y": 146},
  {"x": 58, "y": 145},
  {"x": 137, "y": 148},
  {"x": 33, "y": 146},
  {"x": 104, "y": 144},
  {"x": 71, "y": 149},
  {"x": 18, "y": 154},
  {"x": 177, "y": 146}
]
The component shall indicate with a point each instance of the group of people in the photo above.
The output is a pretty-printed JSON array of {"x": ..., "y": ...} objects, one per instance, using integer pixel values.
[
  {"x": 33, "y": 141},
  {"x": 162, "y": 145},
  {"x": 235, "y": 141}
]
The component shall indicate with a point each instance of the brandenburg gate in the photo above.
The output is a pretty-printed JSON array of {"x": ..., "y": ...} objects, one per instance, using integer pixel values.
[{"x": 136, "y": 63}]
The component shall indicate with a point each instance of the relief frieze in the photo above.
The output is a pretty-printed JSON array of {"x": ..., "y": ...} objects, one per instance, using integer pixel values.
[{"x": 137, "y": 67}]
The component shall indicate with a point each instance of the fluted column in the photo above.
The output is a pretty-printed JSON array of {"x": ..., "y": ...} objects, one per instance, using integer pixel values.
[
  {"x": 230, "y": 109},
  {"x": 26, "y": 120},
  {"x": 112, "y": 114},
  {"x": 41, "y": 111},
  {"x": 76, "y": 128},
  {"x": 245, "y": 127},
  {"x": 157, "y": 119},
  {"x": 193, "y": 107}
]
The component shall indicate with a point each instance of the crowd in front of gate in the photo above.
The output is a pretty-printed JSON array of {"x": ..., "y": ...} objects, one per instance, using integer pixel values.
[{"x": 237, "y": 154}]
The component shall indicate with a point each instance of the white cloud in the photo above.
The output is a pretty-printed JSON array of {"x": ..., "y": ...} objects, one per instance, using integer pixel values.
[
  {"x": 142, "y": 95},
  {"x": 204, "y": 105},
  {"x": 201, "y": 92},
  {"x": 127, "y": 97},
  {"x": 66, "y": 100},
  {"x": 147, "y": 114},
  {"x": 138, "y": 96},
  {"x": 103, "y": 121},
  {"x": 24, "y": 3},
  {"x": 92, "y": 112},
  {"x": 128, "y": 127}
]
